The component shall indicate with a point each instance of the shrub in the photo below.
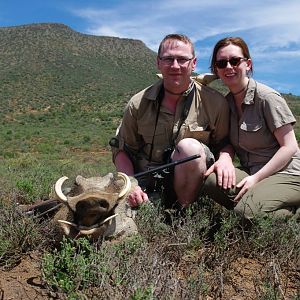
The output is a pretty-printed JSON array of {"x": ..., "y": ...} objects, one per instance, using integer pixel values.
[{"x": 18, "y": 236}]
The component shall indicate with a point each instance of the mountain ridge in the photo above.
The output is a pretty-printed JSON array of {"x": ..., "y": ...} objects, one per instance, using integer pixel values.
[{"x": 44, "y": 61}]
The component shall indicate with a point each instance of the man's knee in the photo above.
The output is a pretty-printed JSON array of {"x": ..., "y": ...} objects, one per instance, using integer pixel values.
[{"x": 187, "y": 147}]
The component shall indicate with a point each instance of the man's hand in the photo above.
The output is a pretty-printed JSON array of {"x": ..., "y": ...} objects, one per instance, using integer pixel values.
[
  {"x": 225, "y": 172},
  {"x": 137, "y": 197}
]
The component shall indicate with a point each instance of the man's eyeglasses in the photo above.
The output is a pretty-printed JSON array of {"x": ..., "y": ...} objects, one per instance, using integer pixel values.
[
  {"x": 234, "y": 62},
  {"x": 169, "y": 60}
]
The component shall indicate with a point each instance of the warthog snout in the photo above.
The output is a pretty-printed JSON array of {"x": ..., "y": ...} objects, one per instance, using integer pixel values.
[{"x": 92, "y": 210}]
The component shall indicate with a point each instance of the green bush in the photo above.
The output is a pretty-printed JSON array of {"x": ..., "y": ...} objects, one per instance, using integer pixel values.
[{"x": 69, "y": 269}]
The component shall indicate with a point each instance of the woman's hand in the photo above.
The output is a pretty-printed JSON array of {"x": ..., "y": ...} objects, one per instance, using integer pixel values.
[{"x": 245, "y": 185}]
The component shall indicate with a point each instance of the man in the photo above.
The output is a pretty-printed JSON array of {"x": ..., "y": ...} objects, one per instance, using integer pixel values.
[{"x": 176, "y": 115}]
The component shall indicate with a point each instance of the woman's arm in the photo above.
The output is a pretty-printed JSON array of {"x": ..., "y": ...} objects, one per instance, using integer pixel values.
[{"x": 288, "y": 147}]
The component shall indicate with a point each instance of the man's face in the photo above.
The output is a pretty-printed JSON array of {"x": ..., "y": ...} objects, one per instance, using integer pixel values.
[{"x": 176, "y": 72}]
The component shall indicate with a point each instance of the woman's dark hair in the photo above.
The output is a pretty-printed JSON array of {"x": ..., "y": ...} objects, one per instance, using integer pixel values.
[{"x": 237, "y": 41}]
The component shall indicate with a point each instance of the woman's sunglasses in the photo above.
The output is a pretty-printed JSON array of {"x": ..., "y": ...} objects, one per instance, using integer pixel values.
[{"x": 234, "y": 62}]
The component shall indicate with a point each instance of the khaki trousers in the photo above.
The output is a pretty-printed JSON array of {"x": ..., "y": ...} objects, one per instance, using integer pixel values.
[{"x": 278, "y": 194}]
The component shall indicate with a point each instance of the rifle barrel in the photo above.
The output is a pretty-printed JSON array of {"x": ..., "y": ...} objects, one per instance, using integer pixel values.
[{"x": 171, "y": 164}]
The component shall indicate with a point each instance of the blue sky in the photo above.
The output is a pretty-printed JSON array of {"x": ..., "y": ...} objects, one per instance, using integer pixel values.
[{"x": 271, "y": 28}]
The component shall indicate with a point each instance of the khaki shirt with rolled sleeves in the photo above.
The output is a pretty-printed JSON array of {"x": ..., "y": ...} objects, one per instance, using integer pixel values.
[
  {"x": 264, "y": 110},
  {"x": 207, "y": 121}
]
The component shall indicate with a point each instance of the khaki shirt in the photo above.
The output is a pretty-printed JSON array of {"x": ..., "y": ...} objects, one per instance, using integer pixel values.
[
  {"x": 207, "y": 121},
  {"x": 264, "y": 110}
]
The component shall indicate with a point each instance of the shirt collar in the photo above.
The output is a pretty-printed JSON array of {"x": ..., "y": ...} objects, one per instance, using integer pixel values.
[
  {"x": 190, "y": 88},
  {"x": 249, "y": 98},
  {"x": 153, "y": 92},
  {"x": 250, "y": 93}
]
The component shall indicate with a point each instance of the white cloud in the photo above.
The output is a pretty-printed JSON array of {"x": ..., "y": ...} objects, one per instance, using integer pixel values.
[
  {"x": 271, "y": 27},
  {"x": 151, "y": 20}
]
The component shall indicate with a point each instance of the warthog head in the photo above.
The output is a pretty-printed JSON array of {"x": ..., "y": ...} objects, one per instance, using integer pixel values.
[{"x": 92, "y": 209}]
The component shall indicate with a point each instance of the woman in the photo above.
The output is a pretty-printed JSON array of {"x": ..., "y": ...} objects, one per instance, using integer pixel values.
[{"x": 262, "y": 136}]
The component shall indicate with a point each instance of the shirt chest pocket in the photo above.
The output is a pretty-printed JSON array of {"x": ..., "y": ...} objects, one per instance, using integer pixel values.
[
  {"x": 252, "y": 135},
  {"x": 149, "y": 133},
  {"x": 200, "y": 133},
  {"x": 251, "y": 127}
]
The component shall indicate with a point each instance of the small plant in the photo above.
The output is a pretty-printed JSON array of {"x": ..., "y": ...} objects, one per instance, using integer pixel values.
[
  {"x": 269, "y": 292},
  {"x": 227, "y": 231},
  {"x": 26, "y": 186},
  {"x": 79, "y": 265},
  {"x": 143, "y": 294},
  {"x": 18, "y": 235},
  {"x": 69, "y": 269}
]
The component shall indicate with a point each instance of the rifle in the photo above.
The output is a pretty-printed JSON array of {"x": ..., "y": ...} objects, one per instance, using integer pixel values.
[
  {"x": 164, "y": 168},
  {"x": 49, "y": 207}
]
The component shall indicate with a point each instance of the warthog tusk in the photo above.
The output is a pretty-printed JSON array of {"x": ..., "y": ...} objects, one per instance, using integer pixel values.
[
  {"x": 87, "y": 232},
  {"x": 58, "y": 189},
  {"x": 96, "y": 225},
  {"x": 127, "y": 183},
  {"x": 66, "y": 226},
  {"x": 92, "y": 229},
  {"x": 87, "y": 227},
  {"x": 68, "y": 223},
  {"x": 108, "y": 218}
]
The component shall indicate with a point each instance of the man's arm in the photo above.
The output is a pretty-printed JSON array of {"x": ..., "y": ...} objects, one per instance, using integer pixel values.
[{"x": 124, "y": 164}]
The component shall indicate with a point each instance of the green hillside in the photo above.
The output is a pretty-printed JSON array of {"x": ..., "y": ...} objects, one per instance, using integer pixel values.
[
  {"x": 49, "y": 66},
  {"x": 63, "y": 90}
]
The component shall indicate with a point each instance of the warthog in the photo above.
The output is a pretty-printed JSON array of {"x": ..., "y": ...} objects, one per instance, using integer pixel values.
[{"x": 97, "y": 207}]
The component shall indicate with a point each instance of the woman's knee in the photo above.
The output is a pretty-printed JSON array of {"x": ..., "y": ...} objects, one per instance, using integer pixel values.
[
  {"x": 211, "y": 189},
  {"x": 249, "y": 206}
]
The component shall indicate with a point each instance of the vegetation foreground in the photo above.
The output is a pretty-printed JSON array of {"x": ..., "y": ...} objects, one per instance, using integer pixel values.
[{"x": 210, "y": 254}]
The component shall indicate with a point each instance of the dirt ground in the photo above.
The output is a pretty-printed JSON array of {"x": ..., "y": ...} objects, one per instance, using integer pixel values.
[
  {"x": 23, "y": 281},
  {"x": 243, "y": 282}
]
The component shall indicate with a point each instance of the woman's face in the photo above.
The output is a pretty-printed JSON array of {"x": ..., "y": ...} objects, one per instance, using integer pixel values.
[{"x": 233, "y": 75}]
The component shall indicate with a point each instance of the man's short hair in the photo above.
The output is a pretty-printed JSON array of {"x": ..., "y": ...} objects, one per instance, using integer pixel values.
[{"x": 176, "y": 36}]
